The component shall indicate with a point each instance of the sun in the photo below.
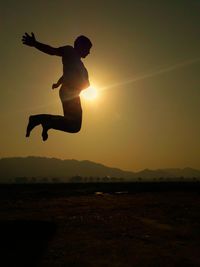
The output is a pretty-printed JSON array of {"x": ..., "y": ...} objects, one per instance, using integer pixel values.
[{"x": 91, "y": 93}]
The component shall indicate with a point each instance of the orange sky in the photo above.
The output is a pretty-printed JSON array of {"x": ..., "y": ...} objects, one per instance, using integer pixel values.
[{"x": 144, "y": 62}]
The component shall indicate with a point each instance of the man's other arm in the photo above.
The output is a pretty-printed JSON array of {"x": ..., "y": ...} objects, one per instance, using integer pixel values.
[{"x": 30, "y": 40}]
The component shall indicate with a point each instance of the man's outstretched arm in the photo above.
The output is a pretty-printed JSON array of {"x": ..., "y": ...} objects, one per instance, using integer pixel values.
[{"x": 31, "y": 41}]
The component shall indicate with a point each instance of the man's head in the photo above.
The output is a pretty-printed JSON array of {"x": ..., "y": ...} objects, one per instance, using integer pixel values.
[{"x": 82, "y": 45}]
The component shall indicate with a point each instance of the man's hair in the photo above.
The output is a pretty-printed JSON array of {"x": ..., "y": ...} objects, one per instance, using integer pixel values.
[{"x": 82, "y": 41}]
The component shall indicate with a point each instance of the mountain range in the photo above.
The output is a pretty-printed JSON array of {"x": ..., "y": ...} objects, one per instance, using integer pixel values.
[{"x": 41, "y": 167}]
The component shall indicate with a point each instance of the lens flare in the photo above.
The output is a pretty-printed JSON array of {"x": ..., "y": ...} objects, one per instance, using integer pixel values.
[
  {"x": 90, "y": 93},
  {"x": 154, "y": 73}
]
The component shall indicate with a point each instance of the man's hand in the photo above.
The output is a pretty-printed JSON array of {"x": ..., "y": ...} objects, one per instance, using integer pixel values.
[
  {"x": 54, "y": 86},
  {"x": 29, "y": 39}
]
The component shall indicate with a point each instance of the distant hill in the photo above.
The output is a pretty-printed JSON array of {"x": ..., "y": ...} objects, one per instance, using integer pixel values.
[
  {"x": 55, "y": 168},
  {"x": 41, "y": 167}
]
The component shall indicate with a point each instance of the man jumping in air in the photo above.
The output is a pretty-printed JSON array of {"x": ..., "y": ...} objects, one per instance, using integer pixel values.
[{"x": 73, "y": 81}]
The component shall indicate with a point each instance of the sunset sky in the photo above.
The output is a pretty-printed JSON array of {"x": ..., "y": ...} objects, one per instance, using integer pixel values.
[{"x": 145, "y": 64}]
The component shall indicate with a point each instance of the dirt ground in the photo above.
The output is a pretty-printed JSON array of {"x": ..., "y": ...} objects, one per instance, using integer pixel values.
[{"x": 120, "y": 229}]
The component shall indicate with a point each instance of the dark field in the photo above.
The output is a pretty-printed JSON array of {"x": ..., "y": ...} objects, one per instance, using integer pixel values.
[{"x": 129, "y": 224}]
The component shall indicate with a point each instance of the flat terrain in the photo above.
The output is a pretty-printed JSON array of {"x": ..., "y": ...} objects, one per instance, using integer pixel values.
[{"x": 97, "y": 225}]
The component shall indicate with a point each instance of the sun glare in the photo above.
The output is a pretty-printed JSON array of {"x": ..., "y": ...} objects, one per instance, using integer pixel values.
[{"x": 90, "y": 93}]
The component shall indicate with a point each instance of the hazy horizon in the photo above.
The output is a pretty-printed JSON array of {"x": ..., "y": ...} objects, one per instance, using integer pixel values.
[{"x": 145, "y": 63}]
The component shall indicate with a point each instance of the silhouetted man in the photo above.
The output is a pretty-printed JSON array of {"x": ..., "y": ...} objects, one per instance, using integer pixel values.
[{"x": 73, "y": 81}]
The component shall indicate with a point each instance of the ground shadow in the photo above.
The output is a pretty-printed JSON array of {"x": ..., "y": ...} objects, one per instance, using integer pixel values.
[{"x": 23, "y": 243}]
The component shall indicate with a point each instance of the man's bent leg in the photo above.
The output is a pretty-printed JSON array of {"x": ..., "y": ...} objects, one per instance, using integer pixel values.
[
  {"x": 61, "y": 123},
  {"x": 64, "y": 124}
]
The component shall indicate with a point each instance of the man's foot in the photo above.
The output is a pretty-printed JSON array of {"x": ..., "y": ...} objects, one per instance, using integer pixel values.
[
  {"x": 44, "y": 134},
  {"x": 31, "y": 124},
  {"x": 45, "y": 127}
]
